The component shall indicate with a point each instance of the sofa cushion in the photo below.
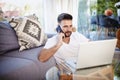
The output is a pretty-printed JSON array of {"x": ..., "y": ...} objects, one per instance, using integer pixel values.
[
  {"x": 18, "y": 69},
  {"x": 33, "y": 16},
  {"x": 8, "y": 38},
  {"x": 30, "y": 33},
  {"x": 50, "y": 35},
  {"x": 32, "y": 55}
]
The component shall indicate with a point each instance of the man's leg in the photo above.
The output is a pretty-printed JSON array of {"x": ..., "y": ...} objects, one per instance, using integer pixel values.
[
  {"x": 52, "y": 74},
  {"x": 65, "y": 73}
]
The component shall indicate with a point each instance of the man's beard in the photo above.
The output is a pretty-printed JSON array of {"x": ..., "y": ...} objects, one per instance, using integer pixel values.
[{"x": 68, "y": 33}]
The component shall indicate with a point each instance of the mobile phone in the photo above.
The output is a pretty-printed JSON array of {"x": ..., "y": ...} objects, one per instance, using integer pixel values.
[{"x": 58, "y": 29}]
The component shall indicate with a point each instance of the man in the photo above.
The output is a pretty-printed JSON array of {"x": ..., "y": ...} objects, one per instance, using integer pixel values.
[{"x": 62, "y": 46}]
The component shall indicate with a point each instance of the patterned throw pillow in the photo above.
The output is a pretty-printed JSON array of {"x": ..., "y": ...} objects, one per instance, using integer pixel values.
[
  {"x": 33, "y": 16},
  {"x": 30, "y": 33}
]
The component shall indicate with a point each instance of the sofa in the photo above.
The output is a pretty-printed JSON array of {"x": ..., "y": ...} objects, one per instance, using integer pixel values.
[{"x": 20, "y": 65}]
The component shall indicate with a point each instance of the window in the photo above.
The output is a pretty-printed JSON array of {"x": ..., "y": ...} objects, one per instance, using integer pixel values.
[{"x": 13, "y": 8}]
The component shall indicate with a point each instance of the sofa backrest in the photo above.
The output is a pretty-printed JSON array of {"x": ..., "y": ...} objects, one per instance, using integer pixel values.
[{"x": 8, "y": 38}]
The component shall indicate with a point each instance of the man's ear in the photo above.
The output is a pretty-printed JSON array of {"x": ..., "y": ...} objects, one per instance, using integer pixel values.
[{"x": 73, "y": 29}]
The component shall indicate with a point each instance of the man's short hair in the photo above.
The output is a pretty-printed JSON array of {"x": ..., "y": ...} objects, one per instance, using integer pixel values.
[{"x": 64, "y": 16}]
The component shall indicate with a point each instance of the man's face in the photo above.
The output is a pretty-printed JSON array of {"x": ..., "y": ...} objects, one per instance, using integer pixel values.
[{"x": 66, "y": 26}]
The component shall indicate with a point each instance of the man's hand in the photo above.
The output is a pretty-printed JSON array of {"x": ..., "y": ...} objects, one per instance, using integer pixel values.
[{"x": 60, "y": 39}]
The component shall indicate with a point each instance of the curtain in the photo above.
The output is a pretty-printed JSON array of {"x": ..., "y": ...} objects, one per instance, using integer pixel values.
[{"x": 52, "y": 8}]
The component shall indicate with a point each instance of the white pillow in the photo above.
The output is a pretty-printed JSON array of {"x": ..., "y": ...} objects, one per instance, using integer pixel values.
[{"x": 30, "y": 33}]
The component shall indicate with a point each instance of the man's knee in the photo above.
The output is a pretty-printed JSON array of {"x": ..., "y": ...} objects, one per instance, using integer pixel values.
[{"x": 52, "y": 74}]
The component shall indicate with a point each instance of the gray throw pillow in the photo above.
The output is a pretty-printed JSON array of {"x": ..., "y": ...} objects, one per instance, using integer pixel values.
[{"x": 8, "y": 38}]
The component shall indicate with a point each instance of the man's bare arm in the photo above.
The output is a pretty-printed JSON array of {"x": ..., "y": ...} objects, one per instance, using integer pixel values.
[{"x": 46, "y": 54}]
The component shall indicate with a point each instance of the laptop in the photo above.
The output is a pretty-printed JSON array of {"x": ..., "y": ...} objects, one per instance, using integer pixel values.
[{"x": 94, "y": 53}]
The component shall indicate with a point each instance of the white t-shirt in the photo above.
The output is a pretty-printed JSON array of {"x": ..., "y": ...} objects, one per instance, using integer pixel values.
[{"x": 66, "y": 51}]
